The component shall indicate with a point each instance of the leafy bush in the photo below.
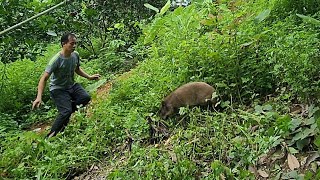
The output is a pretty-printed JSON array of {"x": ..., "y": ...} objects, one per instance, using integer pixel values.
[
  {"x": 241, "y": 54},
  {"x": 28, "y": 40},
  {"x": 90, "y": 19},
  {"x": 19, "y": 85},
  {"x": 284, "y": 8}
]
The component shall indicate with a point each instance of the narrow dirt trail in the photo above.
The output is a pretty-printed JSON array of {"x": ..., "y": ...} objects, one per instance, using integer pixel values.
[{"x": 103, "y": 91}]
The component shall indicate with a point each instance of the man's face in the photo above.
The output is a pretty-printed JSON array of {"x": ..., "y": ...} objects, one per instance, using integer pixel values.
[{"x": 70, "y": 46}]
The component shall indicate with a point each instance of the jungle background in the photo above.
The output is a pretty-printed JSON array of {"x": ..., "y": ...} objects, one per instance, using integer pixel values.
[{"x": 262, "y": 57}]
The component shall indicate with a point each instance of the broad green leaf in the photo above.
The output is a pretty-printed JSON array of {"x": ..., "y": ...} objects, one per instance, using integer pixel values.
[
  {"x": 267, "y": 107},
  {"x": 295, "y": 123},
  {"x": 306, "y": 132},
  {"x": 165, "y": 8},
  {"x": 223, "y": 85},
  {"x": 224, "y": 7},
  {"x": 52, "y": 33},
  {"x": 309, "y": 19},
  {"x": 290, "y": 175},
  {"x": 265, "y": 32},
  {"x": 262, "y": 16},
  {"x": 314, "y": 128},
  {"x": 214, "y": 95},
  {"x": 317, "y": 141},
  {"x": 310, "y": 121},
  {"x": 151, "y": 7},
  {"x": 302, "y": 143},
  {"x": 293, "y": 150},
  {"x": 245, "y": 80},
  {"x": 207, "y": 22},
  {"x": 119, "y": 25},
  {"x": 95, "y": 85},
  {"x": 233, "y": 84},
  {"x": 258, "y": 109},
  {"x": 237, "y": 139},
  {"x": 313, "y": 111},
  {"x": 225, "y": 103},
  {"x": 246, "y": 44}
]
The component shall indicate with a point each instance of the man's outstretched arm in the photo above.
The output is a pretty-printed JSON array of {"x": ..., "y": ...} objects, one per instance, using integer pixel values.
[
  {"x": 41, "y": 86},
  {"x": 80, "y": 72}
]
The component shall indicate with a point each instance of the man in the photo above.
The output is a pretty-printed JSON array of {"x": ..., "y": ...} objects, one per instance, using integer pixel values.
[{"x": 63, "y": 90}]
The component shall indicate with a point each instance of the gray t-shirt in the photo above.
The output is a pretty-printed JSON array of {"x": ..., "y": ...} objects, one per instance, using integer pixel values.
[{"x": 62, "y": 70}]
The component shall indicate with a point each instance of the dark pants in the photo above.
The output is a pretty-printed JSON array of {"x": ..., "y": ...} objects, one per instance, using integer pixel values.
[{"x": 66, "y": 101}]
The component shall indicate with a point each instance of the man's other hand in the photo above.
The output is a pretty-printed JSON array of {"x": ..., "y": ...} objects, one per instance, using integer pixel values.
[
  {"x": 95, "y": 77},
  {"x": 36, "y": 103}
]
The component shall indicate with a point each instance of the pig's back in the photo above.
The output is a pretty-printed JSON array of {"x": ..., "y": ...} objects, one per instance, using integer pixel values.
[{"x": 194, "y": 93}]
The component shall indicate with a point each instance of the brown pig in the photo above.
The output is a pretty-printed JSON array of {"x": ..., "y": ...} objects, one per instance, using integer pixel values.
[{"x": 190, "y": 94}]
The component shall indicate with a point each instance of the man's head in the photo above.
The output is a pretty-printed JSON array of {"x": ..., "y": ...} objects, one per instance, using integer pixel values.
[{"x": 69, "y": 42}]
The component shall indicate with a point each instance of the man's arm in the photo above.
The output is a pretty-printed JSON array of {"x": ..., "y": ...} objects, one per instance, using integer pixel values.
[
  {"x": 41, "y": 86},
  {"x": 80, "y": 72}
]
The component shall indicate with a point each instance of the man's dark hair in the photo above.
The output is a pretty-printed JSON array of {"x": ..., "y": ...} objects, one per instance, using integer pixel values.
[{"x": 65, "y": 38}]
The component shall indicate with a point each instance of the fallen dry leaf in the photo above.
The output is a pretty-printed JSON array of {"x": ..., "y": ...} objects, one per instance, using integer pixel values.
[
  {"x": 293, "y": 162},
  {"x": 252, "y": 169},
  {"x": 262, "y": 159},
  {"x": 167, "y": 141},
  {"x": 278, "y": 155},
  {"x": 303, "y": 161},
  {"x": 254, "y": 128},
  {"x": 263, "y": 173}
]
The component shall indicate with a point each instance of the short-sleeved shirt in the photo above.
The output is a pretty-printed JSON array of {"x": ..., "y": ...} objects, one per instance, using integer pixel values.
[{"x": 62, "y": 70}]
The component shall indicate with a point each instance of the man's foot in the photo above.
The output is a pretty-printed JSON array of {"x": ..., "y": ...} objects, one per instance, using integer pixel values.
[
  {"x": 63, "y": 128},
  {"x": 51, "y": 134}
]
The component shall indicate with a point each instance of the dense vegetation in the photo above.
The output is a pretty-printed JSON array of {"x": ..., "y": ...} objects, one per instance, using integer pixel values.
[{"x": 261, "y": 56}]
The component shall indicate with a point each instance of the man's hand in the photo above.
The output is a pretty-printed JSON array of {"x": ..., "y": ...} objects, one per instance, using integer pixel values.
[
  {"x": 94, "y": 77},
  {"x": 36, "y": 103}
]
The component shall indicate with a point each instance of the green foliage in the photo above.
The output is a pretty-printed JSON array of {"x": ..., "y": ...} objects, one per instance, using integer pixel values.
[
  {"x": 88, "y": 19},
  {"x": 284, "y": 8},
  {"x": 19, "y": 87},
  {"x": 102, "y": 20},
  {"x": 296, "y": 49},
  {"x": 309, "y": 19},
  {"x": 7, "y": 123},
  {"x": 29, "y": 40},
  {"x": 214, "y": 57}
]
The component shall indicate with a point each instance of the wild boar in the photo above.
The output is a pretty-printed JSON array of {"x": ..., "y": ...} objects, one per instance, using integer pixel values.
[{"x": 190, "y": 94}]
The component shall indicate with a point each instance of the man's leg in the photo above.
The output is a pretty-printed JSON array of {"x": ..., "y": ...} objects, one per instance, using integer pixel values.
[
  {"x": 63, "y": 102},
  {"x": 80, "y": 96}
]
